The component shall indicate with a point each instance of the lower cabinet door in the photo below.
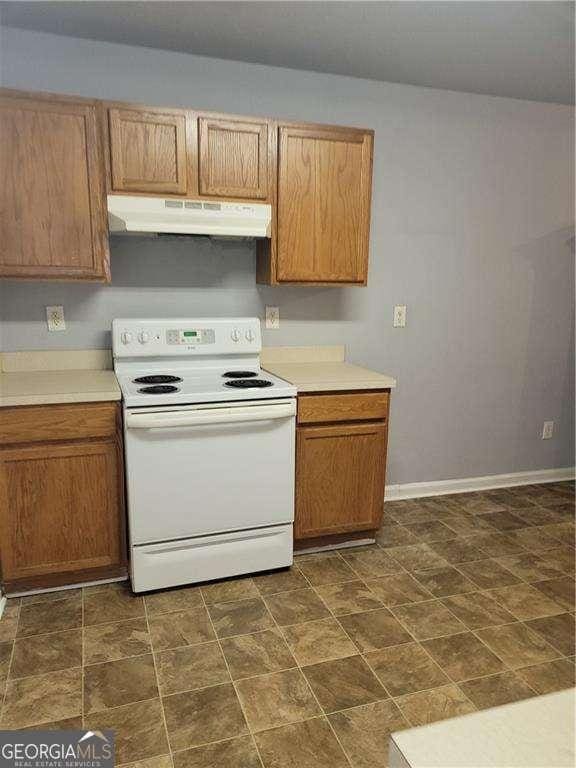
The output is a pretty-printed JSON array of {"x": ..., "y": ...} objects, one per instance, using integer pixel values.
[
  {"x": 340, "y": 473},
  {"x": 61, "y": 511}
]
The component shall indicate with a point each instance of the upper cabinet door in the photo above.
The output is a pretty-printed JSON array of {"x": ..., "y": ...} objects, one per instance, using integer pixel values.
[
  {"x": 324, "y": 193},
  {"x": 233, "y": 159},
  {"x": 52, "y": 195},
  {"x": 148, "y": 150}
]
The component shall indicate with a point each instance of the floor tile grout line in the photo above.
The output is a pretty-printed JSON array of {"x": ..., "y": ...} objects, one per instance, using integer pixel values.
[
  {"x": 218, "y": 639},
  {"x": 437, "y": 598},
  {"x": 507, "y": 668},
  {"x": 158, "y": 682},
  {"x": 138, "y": 762},
  {"x": 245, "y": 736},
  {"x": 82, "y": 658},
  {"x": 359, "y": 653},
  {"x": 12, "y": 651},
  {"x": 465, "y": 630},
  {"x": 297, "y": 664},
  {"x": 320, "y": 707},
  {"x": 564, "y": 655},
  {"x": 518, "y": 618},
  {"x": 423, "y": 640},
  {"x": 418, "y": 642},
  {"x": 95, "y": 714},
  {"x": 359, "y": 578},
  {"x": 512, "y": 669}
]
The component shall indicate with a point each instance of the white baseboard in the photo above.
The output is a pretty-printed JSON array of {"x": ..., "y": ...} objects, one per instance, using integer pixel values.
[
  {"x": 465, "y": 484},
  {"x": 2, "y": 604}
]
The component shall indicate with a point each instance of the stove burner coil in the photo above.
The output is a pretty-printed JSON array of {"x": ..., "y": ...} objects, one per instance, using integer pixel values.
[
  {"x": 158, "y": 389},
  {"x": 239, "y": 375},
  {"x": 157, "y": 378},
  {"x": 248, "y": 383}
]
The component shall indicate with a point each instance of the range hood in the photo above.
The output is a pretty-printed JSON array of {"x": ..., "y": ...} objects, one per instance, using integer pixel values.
[{"x": 131, "y": 214}]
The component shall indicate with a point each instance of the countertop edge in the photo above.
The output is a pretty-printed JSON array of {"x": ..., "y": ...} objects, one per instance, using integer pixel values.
[
  {"x": 331, "y": 386},
  {"x": 353, "y": 377},
  {"x": 25, "y": 388},
  {"x": 58, "y": 399}
]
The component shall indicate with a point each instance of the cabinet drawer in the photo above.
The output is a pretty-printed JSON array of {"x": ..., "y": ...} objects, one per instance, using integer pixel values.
[
  {"x": 361, "y": 406},
  {"x": 40, "y": 423}
]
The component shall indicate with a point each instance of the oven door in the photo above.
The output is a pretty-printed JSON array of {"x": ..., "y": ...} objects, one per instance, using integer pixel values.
[{"x": 199, "y": 470}]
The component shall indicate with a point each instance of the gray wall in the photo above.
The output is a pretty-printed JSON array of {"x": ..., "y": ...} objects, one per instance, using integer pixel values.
[{"x": 471, "y": 228}]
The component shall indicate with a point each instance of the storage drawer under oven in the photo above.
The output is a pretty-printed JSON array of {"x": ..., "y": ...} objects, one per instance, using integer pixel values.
[{"x": 189, "y": 561}]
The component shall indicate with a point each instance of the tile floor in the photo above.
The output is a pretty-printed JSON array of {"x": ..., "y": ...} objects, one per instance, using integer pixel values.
[{"x": 466, "y": 602}]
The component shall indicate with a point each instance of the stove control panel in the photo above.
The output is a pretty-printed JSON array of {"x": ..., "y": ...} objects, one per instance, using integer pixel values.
[
  {"x": 190, "y": 336},
  {"x": 185, "y": 337}
]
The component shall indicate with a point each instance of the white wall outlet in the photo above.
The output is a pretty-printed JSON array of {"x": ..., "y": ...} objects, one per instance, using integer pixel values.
[
  {"x": 272, "y": 318},
  {"x": 547, "y": 430},
  {"x": 55, "y": 318},
  {"x": 399, "y": 316}
]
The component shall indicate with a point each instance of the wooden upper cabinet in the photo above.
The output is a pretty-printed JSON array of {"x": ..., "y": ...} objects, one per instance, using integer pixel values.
[
  {"x": 148, "y": 150},
  {"x": 324, "y": 192},
  {"x": 233, "y": 158},
  {"x": 52, "y": 192}
]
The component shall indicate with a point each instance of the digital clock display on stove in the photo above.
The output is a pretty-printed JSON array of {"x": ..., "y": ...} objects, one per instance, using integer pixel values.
[{"x": 190, "y": 336}]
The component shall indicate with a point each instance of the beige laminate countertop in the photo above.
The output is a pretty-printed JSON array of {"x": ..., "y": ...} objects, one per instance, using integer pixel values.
[
  {"x": 321, "y": 369},
  {"x": 80, "y": 376},
  {"x": 50, "y": 387},
  {"x": 533, "y": 733}
]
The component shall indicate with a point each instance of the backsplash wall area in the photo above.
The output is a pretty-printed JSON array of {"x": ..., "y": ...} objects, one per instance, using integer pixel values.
[{"x": 471, "y": 229}]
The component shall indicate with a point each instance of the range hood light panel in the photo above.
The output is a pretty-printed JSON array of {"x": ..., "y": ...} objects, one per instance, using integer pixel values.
[{"x": 145, "y": 215}]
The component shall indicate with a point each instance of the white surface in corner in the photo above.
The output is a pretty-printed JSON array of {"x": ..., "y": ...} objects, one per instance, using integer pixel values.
[{"x": 535, "y": 733}]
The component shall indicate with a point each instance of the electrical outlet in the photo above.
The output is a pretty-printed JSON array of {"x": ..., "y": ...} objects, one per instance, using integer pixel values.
[
  {"x": 547, "y": 430},
  {"x": 55, "y": 318},
  {"x": 399, "y": 316},
  {"x": 272, "y": 318}
]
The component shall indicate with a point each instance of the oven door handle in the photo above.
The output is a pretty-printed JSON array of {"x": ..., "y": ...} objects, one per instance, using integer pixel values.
[{"x": 169, "y": 419}]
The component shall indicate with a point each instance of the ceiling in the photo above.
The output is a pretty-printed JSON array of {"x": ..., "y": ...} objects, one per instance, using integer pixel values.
[{"x": 519, "y": 49}]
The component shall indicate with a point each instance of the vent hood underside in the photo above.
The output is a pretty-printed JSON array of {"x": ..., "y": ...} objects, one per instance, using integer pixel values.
[{"x": 131, "y": 214}]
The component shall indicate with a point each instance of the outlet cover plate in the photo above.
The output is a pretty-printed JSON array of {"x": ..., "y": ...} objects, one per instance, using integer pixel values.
[
  {"x": 55, "y": 318},
  {"x": 399, "y": 316},
  {"x": 272, "y": 318}
]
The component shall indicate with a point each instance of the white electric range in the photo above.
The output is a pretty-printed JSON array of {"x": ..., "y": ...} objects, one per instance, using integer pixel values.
[{"x": 209, "y": 446}]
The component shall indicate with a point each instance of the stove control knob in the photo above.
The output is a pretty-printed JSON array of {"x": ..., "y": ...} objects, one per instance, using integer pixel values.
[
  {"x": 126, "y": 337},
  {"x": 235, "y": 335},
  {"x": 143, "y": 337},
  {"x": 250, "y": 335}
]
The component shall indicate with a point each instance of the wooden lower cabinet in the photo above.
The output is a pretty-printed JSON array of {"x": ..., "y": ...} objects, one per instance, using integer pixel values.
[
  {"x": 340, "y": 470},
  {"x": 61, "y": 500}
]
